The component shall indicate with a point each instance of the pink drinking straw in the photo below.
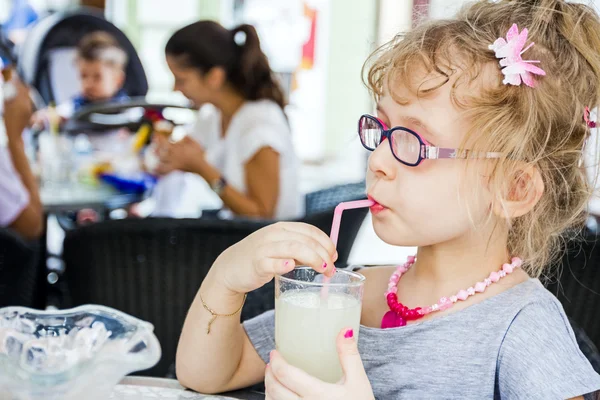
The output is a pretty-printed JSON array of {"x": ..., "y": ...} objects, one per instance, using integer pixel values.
[
  {"x": 337, "y": 216},
  {"x": 335, "y": 229}
]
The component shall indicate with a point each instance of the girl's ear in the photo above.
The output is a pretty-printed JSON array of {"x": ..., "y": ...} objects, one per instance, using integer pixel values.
[{"x": 524, "y": 192}]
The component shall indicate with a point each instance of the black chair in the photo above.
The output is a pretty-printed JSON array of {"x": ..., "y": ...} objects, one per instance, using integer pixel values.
[
  {"x": 587, "y": 347},
  {"x": 327, "y": 199},
  {"x": 577, "y": 284},
  {"x": 21, "y": 281},
  {"x": 148, "y": 268}
]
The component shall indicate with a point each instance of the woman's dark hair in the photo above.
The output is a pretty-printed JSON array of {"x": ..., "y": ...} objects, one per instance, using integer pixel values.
[{"x": 206, "y": 44}]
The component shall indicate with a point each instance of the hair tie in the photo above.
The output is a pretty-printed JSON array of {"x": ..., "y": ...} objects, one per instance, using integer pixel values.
[
  {"x": 586, "y": 118},
  {"x": 240, "y": 38}
]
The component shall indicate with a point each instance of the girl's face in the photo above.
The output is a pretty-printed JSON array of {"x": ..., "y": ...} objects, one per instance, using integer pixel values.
[{"x": 436, "y": 201}]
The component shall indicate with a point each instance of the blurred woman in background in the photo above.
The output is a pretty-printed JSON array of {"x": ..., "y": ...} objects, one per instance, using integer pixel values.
[
  {"x": 20, "y": 205},
  {"x": 241, "y": 143}
]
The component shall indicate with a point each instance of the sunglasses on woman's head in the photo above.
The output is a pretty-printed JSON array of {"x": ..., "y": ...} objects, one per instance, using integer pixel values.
[{"x": 408, "y": 146}]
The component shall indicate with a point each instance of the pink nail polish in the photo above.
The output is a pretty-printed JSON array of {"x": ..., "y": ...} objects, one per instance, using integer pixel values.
[
  {"x": 286, "y": 263},
  {"x": 324, "y": 265},
  {"x": 349, "y": 333}
]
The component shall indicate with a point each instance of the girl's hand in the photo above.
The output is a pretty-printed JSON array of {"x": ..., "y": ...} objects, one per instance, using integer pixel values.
[
  {"x": 283, "y": 381},
  {"x": 181, "y": 155},
  {"x": 276, "y": 249}
]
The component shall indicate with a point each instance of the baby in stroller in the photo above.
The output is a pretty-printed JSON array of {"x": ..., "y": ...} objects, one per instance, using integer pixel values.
[{"x": 101, "y": 64}]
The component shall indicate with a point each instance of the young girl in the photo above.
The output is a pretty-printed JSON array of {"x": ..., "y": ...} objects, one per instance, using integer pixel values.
[{"x": 468, "y": 318}]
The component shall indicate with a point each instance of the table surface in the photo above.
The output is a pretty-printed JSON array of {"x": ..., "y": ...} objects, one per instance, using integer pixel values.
[
  {"x": 75, "y": 196},
  {"x": 142, "y": 388}
]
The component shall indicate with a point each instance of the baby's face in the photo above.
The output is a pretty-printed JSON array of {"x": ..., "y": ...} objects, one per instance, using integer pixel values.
[{"x": 99, "y": 80}]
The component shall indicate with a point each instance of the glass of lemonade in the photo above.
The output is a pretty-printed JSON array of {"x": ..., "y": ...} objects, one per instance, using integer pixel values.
[{"x": 310, "y": 311}]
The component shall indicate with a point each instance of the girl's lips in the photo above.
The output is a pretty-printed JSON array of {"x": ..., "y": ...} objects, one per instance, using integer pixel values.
[{"x": 376, "y": 208}]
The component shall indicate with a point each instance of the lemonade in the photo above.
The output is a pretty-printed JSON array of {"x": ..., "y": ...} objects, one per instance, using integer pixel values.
[{"x": 306, "y": 327}]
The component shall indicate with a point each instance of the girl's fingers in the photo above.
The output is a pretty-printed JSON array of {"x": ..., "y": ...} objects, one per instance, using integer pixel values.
[
  {"x": 300, "y": 251},
  {"x": 294, "y": 379},
  {"x": 311, "y": 242},
  {"x": 308, "y": 230},
  {"x": 275, "y": 266},
  {"x": 275, "y": 390}
]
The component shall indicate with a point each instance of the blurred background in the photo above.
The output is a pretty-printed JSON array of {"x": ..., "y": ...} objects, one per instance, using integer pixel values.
[{"x": 317, "y": 48}]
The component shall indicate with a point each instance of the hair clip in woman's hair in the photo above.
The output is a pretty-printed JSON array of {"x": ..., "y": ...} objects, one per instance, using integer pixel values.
[
  {"x": 586, "y": 118},
  {"x": 509, "y": 50},
  {"x": 240, "y": 38}
]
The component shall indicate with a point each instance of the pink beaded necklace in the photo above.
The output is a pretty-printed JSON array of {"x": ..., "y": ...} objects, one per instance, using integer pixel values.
[{"x": 399, "y": 314}]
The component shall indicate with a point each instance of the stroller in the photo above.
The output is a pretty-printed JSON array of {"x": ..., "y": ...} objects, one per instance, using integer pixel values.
[
  {"x": 48, "y": 54},
  {"x": 46, "y": 62}
]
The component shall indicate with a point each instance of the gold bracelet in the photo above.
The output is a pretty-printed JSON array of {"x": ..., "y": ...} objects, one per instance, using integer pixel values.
[{"x": 215, "y": 315}]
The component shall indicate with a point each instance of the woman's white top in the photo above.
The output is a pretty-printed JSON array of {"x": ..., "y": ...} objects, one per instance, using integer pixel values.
[{"x": 255, "y": 126}]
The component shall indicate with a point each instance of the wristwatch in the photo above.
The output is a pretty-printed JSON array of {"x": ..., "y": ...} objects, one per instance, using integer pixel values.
[{"x": 218, "y": 185}]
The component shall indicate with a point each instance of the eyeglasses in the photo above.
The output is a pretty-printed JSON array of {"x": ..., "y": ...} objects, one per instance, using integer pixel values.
[{"x": 408, "y": 146}]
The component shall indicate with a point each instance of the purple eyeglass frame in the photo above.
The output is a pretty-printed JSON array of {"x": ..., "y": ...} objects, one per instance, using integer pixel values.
[{"x": 428, "y": 152}]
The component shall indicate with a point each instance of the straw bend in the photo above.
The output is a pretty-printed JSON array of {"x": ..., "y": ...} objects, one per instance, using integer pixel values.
[{"x": 337, "y": 216}]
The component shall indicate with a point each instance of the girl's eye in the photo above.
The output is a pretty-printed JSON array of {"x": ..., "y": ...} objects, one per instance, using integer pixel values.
[{"x": 427, "y": 142}]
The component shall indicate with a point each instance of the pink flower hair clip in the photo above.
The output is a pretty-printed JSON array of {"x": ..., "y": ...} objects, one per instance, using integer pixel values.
[{"x": 509, "y": 50}]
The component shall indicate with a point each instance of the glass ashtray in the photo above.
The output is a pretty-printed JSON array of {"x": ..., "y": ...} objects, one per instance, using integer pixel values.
[{"x": 79, "y": 353}]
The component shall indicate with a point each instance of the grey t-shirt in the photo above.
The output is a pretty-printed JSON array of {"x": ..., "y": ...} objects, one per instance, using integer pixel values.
[{"x": 515, "y": 345}]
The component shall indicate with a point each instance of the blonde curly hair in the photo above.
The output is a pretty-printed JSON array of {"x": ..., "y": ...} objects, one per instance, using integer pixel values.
[{"x": 542, "y": 126}]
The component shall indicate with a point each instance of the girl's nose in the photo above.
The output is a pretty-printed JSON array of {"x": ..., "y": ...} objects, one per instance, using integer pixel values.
[{"x": 382, "y": 162}]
